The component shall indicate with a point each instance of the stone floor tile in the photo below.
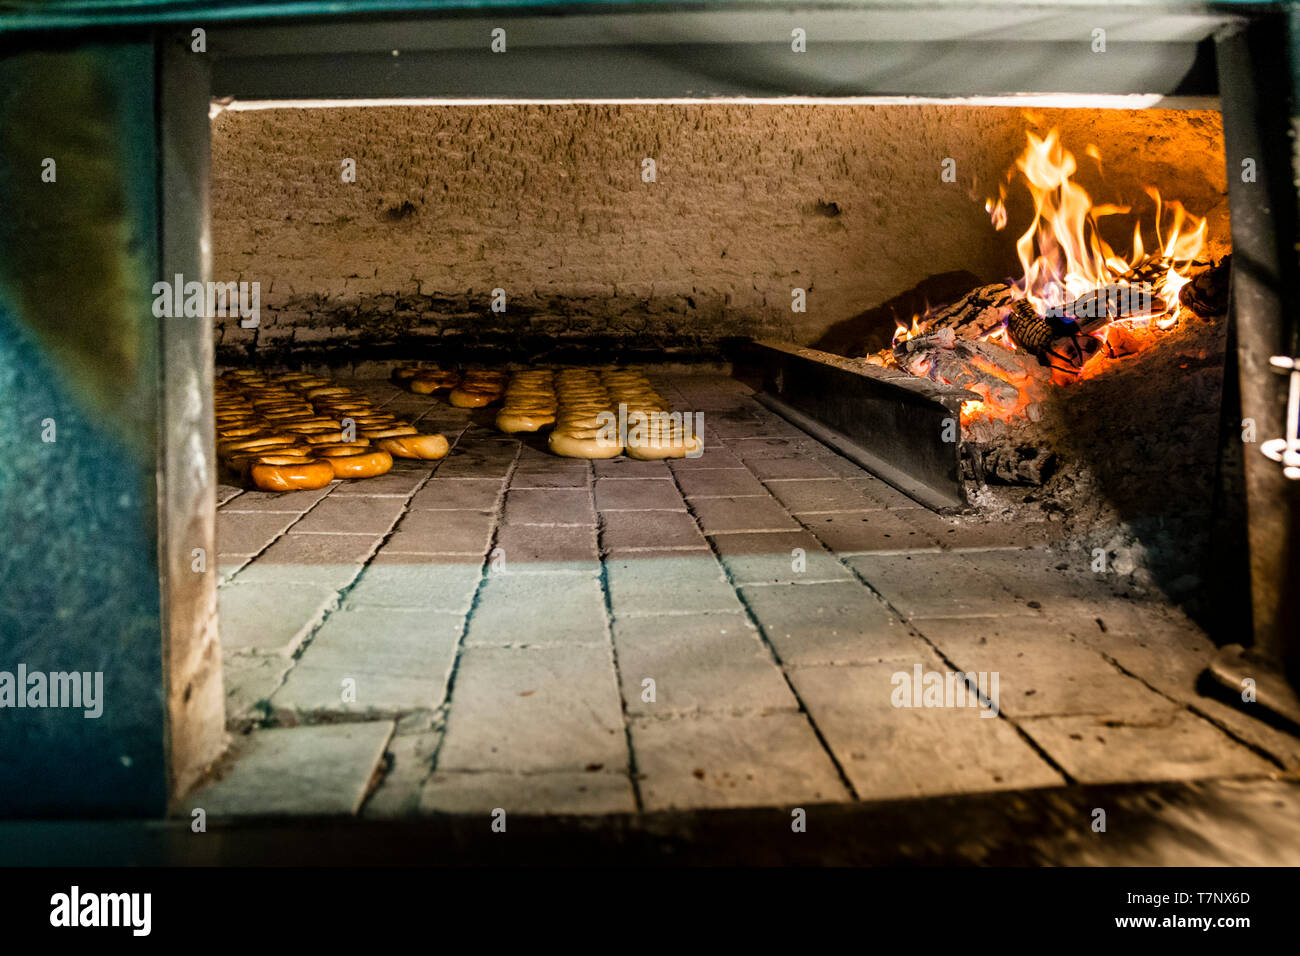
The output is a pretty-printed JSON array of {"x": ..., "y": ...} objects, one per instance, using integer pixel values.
[
  {"x": 631, "y": 468},
  {"x": 1042, "y": 671},
  {"x": 550, "y": 479},
  {"x": 442, "y": 532},
  {"x": 549, "y": 506},
  {"x": 458, "y": 494},
  {"x": 935, "y": 585},
  {"x": 860, "y": 532},
  {"x": 977, "y": 533},
  {"x": 248, "y": 681},
  {"x": 226, "y": 493},
  {"x": 637, "y": 494},
  {"x": 829, "y": 624},
  {"x": 893, "y": 752},
  {"x": 641, "y": 530},
  {"x": 395, "y": 484},
  {"x": 396, "y": 660},
  {"x": 287, "y": 502},
  {"x": 467, "y": 465},
  {"x": 352, "y": 515},
  {"x": 298, "y": 771},
  {"x": 769, "y": 468},
  {"x": 598, "y": 791},
  {"x": 658, "y": 582},
  {"x": 534, "y": 710},
  {"x": 243, "y": 533},
  {"x": 722, "y": 761},
  {"x": 270, "y": 618},
  {"x": 727, "y": 515},
  {"x": 713, "y": 663},
  {"x": 720, "y": 483},
  {"x": 782, "y": 557},
  {"x": 331, "y": 560},
  {"x": 843, "y": 467},
  {"x": 747, "y": 448},
  {"x": 718, "y": 457},
  {"x": 1173, "y": 745},
  {"x": 409, "y": 764},
  {"x": 882, "y": 493},
  {"x": 527, "y": 547},
  {"x": 429, "y": 582},
  {"x": 532, "y": 609},
  {"x": 817, "y": 495}
]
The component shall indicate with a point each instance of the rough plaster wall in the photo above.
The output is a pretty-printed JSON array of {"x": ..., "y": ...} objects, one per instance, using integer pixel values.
[{"x": 547, "y": 202}]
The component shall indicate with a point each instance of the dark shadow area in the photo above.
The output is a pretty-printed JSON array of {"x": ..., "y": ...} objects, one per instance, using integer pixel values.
[
  {"x": 1152, "y": 824},
  {"x": 873, "y": 330}
]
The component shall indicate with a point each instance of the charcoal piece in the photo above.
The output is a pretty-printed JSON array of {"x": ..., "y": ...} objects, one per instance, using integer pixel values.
[
  {"x": 1007, "y": 463},
  {"x": 1207, "y": 294}
]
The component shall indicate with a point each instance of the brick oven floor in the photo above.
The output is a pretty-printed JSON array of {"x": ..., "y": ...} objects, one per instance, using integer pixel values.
[{"x": 480, "y": 633}]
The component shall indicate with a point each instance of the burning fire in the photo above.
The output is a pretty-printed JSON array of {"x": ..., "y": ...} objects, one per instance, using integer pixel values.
[
  {"x": 903, "y": 332},
  {"x": 1063, "y": 255},
  {"x": 1083, "y": 293}
]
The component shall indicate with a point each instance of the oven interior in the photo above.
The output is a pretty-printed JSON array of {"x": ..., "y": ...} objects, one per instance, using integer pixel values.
[{"x": 707, "y": 610}]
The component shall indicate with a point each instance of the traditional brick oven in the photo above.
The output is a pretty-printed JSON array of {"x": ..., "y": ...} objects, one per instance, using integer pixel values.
[{"x": 499, "y": 611}]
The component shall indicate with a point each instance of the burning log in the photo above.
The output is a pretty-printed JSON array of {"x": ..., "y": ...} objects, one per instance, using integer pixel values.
[
  {"x": 1111, "y": 303},
  {"x": 1050, "y": 339},
  {"x": 975, "y": 314},
  {"x": 1207, "y": 294},
  {"x": 1006, "y": 379},
  {"x": 938, "y": 339}
]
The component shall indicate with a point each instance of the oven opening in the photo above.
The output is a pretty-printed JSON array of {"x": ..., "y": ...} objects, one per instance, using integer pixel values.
[
  {"x": 658, "y": 419},
  {"x": 458, "y": 298}
]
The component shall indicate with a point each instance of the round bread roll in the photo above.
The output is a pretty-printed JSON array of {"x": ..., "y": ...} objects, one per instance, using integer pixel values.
[
  {"x": 463, "y": 397},
  {"x": 244, "y": 431},
  {"x": 511, "y": 421},
  {"x": 363, "y": 464},
  {"x": 289, "y": 473},
  {"x": 665, "y": 446},
  {"x": 312, "y": 425},
  {"x": 328, "y": 391},
  {"x": 427, "y": 382},
  {"x": 584, "y": 444},
  {"x": 581, "y": 422},
  {"x": 324, "y": 437},
  {"x": 240, "y": 462},
  {"x": 341, "y": 448},
  {"x": 425, "y": 447},
  {"x": 387, "y": 431},
  {"x": 225, "y": 449}
]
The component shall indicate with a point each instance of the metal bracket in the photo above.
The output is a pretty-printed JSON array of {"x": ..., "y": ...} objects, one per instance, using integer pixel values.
[
  {"x": 1286, "y": 450},
  {"x": 904, "y": 429}
]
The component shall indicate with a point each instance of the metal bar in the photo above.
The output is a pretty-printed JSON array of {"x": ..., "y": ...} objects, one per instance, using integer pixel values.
[
  {"x": 1265, "y": 274},
  {"x": 905, "y": 430},
  {"x": 626, "y": 70},
  {"x": 852, "y": 19}
]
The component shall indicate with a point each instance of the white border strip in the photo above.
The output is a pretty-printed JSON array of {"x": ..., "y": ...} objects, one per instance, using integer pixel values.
[{"x": 1041, "y": 100}]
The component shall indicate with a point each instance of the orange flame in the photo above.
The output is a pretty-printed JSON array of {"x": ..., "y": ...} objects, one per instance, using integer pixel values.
[
  {"x": 1063, "y": 254},
  {"x": 902, "y": 333}
]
